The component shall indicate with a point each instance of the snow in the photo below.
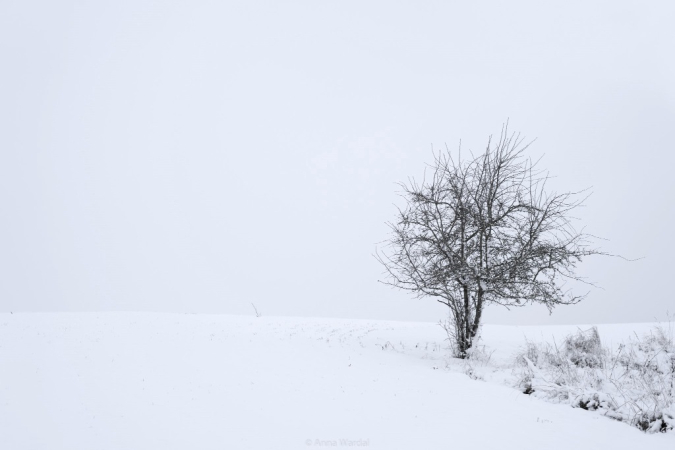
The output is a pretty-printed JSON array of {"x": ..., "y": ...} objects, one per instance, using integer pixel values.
[{"x": 172, "y": 381}]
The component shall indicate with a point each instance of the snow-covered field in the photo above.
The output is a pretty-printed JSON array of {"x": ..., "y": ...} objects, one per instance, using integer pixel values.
[{"x": 174, "y": 381}]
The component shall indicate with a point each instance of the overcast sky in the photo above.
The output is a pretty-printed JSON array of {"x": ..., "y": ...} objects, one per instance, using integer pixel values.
[{"x": 200, "y": 156}]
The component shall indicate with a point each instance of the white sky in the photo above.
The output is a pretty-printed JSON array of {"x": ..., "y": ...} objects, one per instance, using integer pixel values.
[{"x": 198, "y": 156}]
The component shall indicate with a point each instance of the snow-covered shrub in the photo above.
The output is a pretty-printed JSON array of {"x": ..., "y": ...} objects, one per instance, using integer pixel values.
[
  {"x": 584, "y": 349},
  {"x": 634, "y": 383}
]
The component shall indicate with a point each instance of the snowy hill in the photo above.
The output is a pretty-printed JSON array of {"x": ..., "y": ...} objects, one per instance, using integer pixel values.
[{"x": 170, "y": 381}]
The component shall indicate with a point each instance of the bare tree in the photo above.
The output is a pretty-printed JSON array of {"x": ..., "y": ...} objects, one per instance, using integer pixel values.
[{"x": 485, "y": 231}]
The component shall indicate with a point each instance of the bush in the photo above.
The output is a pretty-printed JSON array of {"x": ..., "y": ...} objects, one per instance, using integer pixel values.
[
  {"x": 585, "y": 349},
  {"x": 634, "y": 383}
]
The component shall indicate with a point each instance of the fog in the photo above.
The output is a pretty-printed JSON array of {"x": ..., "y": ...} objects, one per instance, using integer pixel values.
[{"x": 201, "y": 156}]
